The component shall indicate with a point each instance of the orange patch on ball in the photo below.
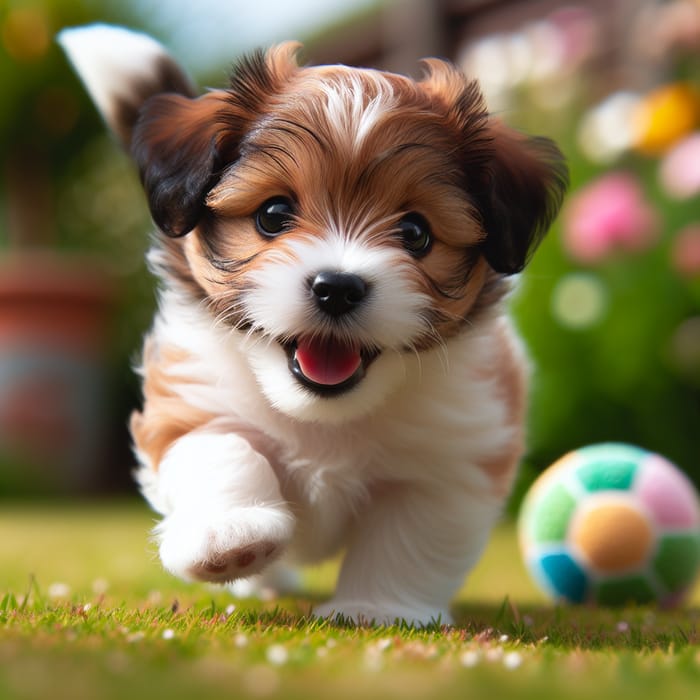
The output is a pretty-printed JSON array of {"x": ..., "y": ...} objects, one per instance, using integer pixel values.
[{"x": 614, "y": 537}]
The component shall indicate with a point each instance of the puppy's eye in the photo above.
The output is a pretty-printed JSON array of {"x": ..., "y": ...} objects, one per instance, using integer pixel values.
[
  {"x": 275, "y": 216},
  {"x": 415, "y": 234}
]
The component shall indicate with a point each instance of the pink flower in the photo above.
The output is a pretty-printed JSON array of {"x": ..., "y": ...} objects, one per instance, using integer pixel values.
[
  {"x": 680, "y": 169},
  {"x": 611, "y": 214}
]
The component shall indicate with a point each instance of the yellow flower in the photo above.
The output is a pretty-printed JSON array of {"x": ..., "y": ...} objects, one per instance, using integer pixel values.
[
  {"x": 664, "y": 116},
  {"x": 25, "y": 34}
]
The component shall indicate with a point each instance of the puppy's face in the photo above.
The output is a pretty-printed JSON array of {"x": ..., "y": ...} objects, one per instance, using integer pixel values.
[{"x": 339, "y": 219}]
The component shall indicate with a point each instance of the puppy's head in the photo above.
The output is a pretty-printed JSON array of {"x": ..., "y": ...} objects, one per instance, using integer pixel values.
[{"x": 336, "y": 218}]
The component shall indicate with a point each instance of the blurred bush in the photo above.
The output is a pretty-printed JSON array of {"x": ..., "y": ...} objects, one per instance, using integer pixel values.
[
  {"x": 65, "y": 184},
  {"x": 610, "y": 304},
  {"x": 74, "y": 293}
]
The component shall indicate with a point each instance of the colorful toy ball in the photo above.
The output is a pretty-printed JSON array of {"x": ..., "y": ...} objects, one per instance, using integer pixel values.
[{"x": 612, "y": 524}]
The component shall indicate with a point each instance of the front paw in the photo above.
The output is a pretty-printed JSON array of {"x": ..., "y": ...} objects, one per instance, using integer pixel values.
[
  {"x": 366, "y": 613},
  {"x": 222, "y": 547}
]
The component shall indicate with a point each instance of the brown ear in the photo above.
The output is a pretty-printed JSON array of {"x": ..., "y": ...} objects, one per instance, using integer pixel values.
[
  {"x": 517, "y": 183},
  {"x": 521, "y": 191},
  {"x": 183, "y": 145}
]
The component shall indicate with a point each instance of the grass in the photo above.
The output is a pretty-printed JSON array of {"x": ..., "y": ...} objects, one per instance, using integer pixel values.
[{"x": 86, "y": 612}]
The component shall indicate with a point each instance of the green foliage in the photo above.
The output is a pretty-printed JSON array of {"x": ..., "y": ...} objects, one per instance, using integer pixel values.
[{"x": 616, "y": 378}]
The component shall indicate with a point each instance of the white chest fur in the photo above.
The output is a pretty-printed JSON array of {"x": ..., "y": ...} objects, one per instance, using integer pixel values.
[{"x": 431, "y": 439}]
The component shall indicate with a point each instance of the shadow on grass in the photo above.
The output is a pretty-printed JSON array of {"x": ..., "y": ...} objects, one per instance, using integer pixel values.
[
  {"x": 638, "y": 628},
  {"x": 582, "y": 627}
]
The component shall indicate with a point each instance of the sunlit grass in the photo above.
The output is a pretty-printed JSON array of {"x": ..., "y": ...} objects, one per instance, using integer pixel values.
[{"x": 87, "y": 612}]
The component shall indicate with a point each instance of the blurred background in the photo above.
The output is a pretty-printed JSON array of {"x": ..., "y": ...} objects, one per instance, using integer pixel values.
[{"x": 609, "y": 307}]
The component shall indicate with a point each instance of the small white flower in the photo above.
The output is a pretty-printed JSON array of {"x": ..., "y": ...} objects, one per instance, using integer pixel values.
[
  {"x": 168, "y": 634},
  {"x": 512, "y": 660},
  {"x": 277, "y": 655},
  {"x": 230, "y": 609},
  {"x": 469, "y": 658},
  {"x": 240, "y": 640},
  {"x": 59, "y": 590}
]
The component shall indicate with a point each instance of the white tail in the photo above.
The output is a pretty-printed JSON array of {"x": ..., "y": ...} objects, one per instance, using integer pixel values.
[{"x": 121, "y": 69}]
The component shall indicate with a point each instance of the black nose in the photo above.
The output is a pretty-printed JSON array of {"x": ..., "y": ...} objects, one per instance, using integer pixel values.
[{"x": 336, "y": 293}]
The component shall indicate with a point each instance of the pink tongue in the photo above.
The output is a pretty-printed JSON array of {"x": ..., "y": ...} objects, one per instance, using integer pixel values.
[{"x": 327, "y": 362}]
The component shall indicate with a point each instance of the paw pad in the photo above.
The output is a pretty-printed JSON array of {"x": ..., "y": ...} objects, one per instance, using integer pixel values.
[
  {"x": 239, "y": 562},
  {"x": 245, "y": 558}
]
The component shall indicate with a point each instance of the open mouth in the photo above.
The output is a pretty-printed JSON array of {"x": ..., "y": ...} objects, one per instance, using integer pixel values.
[{"x": 328, "y": 366}]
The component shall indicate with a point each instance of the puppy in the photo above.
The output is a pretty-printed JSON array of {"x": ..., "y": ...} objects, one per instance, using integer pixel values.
[{"x": 330, "y": 367}]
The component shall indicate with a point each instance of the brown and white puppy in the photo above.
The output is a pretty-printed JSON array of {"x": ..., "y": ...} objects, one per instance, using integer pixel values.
[{"x": 330, "y": 366}]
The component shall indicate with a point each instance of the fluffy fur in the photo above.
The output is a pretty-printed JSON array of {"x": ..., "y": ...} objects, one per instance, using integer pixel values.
[{"x": 340, "y": 374}]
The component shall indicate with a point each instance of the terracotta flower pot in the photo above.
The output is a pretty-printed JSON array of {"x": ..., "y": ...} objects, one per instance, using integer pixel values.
[{"x": 54, "y": 318}]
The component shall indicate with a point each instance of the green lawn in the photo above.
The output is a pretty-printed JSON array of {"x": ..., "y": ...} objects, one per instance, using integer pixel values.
[{"x": 86, "y": 612}]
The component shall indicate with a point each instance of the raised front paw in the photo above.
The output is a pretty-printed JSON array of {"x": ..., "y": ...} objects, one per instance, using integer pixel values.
[{"x": 223, "y": 547}]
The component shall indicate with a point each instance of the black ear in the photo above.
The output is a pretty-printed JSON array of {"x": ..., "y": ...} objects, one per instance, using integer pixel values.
[
  {"x": 180, "y": 145},
  {"x": 522, "y": 188},
  {"x": 146, "y": 99},
  {"x": 517, "y": 183}
]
